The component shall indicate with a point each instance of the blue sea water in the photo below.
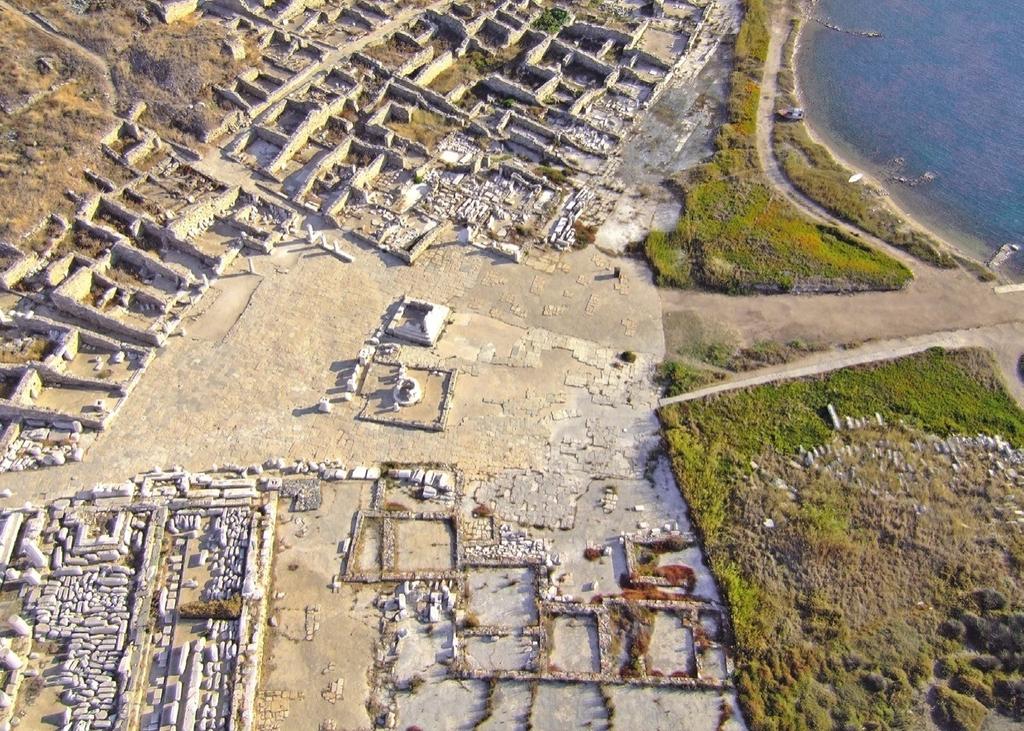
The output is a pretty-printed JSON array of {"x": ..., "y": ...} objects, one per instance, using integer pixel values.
[{"x": 943, "y": 89}]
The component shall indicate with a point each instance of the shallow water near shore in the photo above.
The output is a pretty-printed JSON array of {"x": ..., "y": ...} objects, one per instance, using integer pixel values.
[{"x": 943, "y": 89}]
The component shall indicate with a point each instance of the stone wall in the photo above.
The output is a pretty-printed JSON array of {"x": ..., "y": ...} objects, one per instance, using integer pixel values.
[
  {"x": 68, "y": 297},
  {"x": 505, "y": 88},
  {"x": 171, "y": 11},
  {"x": 200, "y": 215}
]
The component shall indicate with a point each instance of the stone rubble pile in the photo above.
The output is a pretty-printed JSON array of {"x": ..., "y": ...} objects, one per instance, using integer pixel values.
[
  {"x": 513, "y": 547},
  {"x": 428, "y": 601},
  {"x": 226, "y": 548},
  {"x": 86, "y": 605},
  {"x": 43, "y": 446}
]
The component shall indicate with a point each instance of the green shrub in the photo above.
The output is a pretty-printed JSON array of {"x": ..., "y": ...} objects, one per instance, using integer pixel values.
[
  {"x": 953, "y": 629},
  {"x": 989, "y": 599},
  {"x": 960, "y": 712},
  {"x": 555, "y": 175},
  {"x": 1009, "y": 696},
  {"x": 551, "y": 20},
  {"x": 678, "y": 378},
  {"x": 670, "y": 262}
]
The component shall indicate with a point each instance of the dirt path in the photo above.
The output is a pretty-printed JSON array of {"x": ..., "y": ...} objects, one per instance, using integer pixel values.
[
  {"x": 775, "y": 174},
  {"x": 991, "y": 338},
  {"x": 941, "y": 307},
  {"x": 41, "y": 24}
]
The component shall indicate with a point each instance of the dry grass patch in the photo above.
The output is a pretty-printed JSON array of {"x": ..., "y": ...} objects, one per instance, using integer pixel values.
[
  {"x": 42, "y": 155},
  {"x": 226, "y": 609},
  {"x": 424, "y": 127},
  {"x": 46, "y": 145},
  {"x": 459, "y": 73},
  {"x": 25, "y": 352},
  {"x": 105, "y": 26},
  {"x": 173, "y": 69},
  {"x": 46, "y": 142}
]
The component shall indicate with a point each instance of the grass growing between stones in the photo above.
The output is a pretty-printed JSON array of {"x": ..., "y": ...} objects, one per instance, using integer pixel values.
[
  {"x": 736, "y": 235},
  {"x": 226, "y": 609},
  {"x": 882, "y": 581},
  {"x": 424, "y": 127}
]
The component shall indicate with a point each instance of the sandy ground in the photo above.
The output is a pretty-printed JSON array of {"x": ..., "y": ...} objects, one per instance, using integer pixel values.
[
  {"x": 307, "y": 558},
  {"x": 542, "y": 394},
  {"x": 502, "y": 597},
  {"x": 250, "y": 393},
  {"x": 224, "y": 304},
  {"x": 575, "y": 648},
  {"x": 510, "y": 707}
]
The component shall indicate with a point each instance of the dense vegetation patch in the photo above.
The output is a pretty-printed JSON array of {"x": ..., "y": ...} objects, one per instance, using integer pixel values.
[
  {"x": 551, "y": 20},
  {"x": 556, "y": 175},
  {"x": 739, "y": 236},
  {"x": 676, "y": 377},
  {"x": 860, "y": 580},
  {"x": 813, "y": 170},
  {"x": 736, "y": 234}
]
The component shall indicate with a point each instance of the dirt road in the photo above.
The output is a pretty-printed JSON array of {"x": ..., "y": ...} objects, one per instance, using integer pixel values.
[
  {"x": 991, "y": 338},
  {"x": 941, "y": 307},
  {"x": 775, "y": 174}
]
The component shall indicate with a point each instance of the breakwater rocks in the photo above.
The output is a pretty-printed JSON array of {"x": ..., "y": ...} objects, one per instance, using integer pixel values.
[{"x": 839, "y": 29}]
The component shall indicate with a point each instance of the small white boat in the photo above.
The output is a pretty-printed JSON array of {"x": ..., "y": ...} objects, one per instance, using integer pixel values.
[{"x": 856, "y": 178}]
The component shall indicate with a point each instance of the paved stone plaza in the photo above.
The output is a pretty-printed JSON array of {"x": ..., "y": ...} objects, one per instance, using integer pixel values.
[
  {"x": 534, "y": 389},
  {"x": 544, "y": 422},
  {"x": 370, "y": 383}
]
